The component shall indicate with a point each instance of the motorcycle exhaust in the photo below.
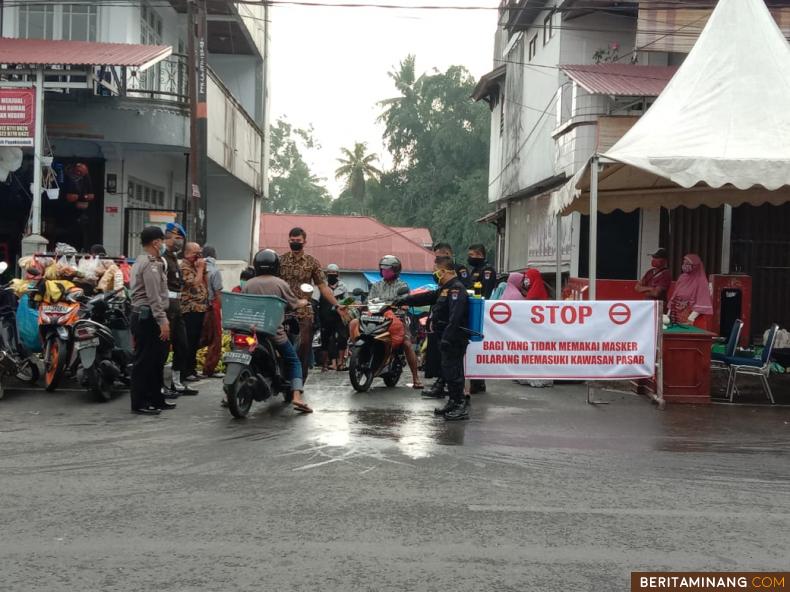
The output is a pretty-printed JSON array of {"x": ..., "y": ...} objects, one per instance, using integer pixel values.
[{"x": 7, "y": 363}]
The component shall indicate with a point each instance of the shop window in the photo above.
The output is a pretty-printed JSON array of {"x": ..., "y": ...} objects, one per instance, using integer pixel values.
[{"x": 533, "y": 47}]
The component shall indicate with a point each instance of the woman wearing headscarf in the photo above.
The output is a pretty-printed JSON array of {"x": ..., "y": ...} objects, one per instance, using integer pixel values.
[
  {"x": 527, "y": 285},
  {"x": 691, "y": 303}
]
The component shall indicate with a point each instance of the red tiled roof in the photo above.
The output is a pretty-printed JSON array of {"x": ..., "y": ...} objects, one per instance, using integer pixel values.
[
  {"x": 43, "y": 52},
  {"x": 421, "y": 236},
  {"x": 355, "y": 243},
  {"x": 631, "y": 80}
]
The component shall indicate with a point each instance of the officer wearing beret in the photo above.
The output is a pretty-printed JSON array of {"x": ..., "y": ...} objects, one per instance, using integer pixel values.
[{"x": 175, "y": 235}]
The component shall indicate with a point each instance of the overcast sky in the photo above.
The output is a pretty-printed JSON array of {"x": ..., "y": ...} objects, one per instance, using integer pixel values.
[{"x": 329, "y": 65}]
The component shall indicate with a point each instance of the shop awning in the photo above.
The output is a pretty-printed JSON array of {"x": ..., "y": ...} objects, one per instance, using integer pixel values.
[
  {"x": 43, "y": 52},
  {"x": 631, "y": 80},
  {"x": 716, "y": 135}
]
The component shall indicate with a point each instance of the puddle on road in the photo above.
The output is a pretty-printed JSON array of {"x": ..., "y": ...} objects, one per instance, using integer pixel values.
[{"x": 415, "y": 433}]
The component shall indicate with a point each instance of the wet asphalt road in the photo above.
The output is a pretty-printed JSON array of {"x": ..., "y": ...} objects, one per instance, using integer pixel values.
[{"x": 539, "y": 491}]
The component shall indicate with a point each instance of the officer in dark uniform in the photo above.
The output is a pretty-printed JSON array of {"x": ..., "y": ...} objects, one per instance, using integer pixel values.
[
  {"x": 450, "y": 310},
  {"x": 149, "y": 324},
  {"x": 433, "y": 356},
  {"x": 175, "y": 235},
  {"x": 480, "y": 271}
]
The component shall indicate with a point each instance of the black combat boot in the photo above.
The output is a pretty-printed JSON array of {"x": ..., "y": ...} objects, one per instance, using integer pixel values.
[
  {"x": 437, "y": 390},
  {"x": 449, "y": 406},
  {"x": 459, "y": 411}
]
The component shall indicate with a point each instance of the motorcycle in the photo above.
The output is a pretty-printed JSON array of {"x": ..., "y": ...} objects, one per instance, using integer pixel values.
[
  {"x": 56, "y": 321},
  {"x": 15, "y": 360},
  {"x": 254, "y": 369},
  {"x": 373, "y": 354},
  {"x": 102, "y": 340}
]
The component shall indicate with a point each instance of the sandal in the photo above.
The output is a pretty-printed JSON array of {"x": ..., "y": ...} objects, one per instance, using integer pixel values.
[
  {"x": 418, "y": 386},
  {"x": 302, "y": 407}
]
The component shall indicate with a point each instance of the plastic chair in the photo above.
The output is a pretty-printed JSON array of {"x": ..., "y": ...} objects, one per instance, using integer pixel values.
[
  {"x": 760, "y": 367},
  {"x": 717, "y": 361}
]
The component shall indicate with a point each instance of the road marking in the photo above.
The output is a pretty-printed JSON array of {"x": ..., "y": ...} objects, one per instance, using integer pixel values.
[{"x": 629, "y": 512}]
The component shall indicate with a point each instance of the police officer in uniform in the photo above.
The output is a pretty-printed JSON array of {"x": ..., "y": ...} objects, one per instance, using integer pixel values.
[
  {"x": 175, "y": 235},
  {"x": 433, "y": 357},
  {"x": 450, "y": 311},
  {"x": 149, "y": 324},
  {"x": 479, "y": 271}
]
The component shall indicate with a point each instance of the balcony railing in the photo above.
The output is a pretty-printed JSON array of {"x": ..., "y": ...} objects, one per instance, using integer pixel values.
[{"x": 164, "y": 81}]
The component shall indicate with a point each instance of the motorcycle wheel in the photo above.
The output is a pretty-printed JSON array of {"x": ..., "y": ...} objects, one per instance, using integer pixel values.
[
  {"x": 240, "y": 395},
  {"x": 29, "y": 371},
  {"x": 99, "y": 386},
  {"x": 391, "y": 378},
  {"x": 2, "y": 388},
  {"x": 55, "y": 362},
  {"x": 359, "y": 370}
]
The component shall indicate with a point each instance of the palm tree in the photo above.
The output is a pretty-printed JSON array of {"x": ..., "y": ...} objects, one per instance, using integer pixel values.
[
  {"x": 356, "y": 167},
  {"x": 401, "y": 114}
]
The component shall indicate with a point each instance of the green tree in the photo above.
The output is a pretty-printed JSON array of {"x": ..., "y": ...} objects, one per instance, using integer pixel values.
[
  {"x": 438, "y": 138},
  {"x": 357, "y": 168},
  {"x": 292, "y": 185}
]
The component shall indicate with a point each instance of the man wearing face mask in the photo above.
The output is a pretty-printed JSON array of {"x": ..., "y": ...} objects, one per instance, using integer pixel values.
[
  {"x": 149, "y": 324},
  {"x": 387, "y": 290},
  {"x": 194, "y": 302},
  {"x": 175, "y": 235},
  {"x": 333, "y": 330},
  {"x": 479, "y": 271},
  {"x": 655, "y": 283},
  {"x": 297, "y": 268},
  {"x": 449, "y": 317}
]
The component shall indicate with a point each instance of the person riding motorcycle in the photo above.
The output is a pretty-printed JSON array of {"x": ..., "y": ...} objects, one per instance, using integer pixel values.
[
  {"x": 266, "y": 283},
  {"x": 387, "y": 290}
]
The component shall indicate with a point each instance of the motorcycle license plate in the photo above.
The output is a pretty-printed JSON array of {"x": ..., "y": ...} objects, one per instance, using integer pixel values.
[
  {"x": 372, "y": 319},
  {"x": 87, "y": 343},
  {"x": 237, "y": 357}
]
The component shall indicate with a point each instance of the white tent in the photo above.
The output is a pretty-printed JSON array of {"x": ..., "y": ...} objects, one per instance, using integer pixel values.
[{"x": 718, "y": 134}]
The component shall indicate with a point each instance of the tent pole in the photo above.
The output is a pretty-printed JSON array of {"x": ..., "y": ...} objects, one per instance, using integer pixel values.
[
  {"x": 593, "y": 246},
  {"x": 558, "y": 260}
]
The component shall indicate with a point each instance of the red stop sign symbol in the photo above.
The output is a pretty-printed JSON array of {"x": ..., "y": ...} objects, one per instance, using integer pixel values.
[
  {"x": 619, "y": 313},
  {"x": 500, "y": 313}
]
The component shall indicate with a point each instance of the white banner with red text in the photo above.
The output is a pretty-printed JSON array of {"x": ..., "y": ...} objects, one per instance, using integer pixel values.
[{"x": 571, "y": 340}]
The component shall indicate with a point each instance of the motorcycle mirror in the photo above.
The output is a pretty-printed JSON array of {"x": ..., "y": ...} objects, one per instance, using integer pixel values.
[
  {"x": 3, "y": 266},
  {"x": 403, "y": 290},
  {"x": 306, "y": 288}
]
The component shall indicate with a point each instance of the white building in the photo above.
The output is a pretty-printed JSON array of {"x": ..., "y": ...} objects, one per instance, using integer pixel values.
[{"x": 133, "y": 132}]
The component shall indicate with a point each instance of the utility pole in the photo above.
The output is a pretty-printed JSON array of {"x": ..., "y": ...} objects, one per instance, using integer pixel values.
[{"x": 197, "y": 51}]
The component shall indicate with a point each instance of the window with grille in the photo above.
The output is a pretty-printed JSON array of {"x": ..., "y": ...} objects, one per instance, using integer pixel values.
[{"x": 145, "y": 195}]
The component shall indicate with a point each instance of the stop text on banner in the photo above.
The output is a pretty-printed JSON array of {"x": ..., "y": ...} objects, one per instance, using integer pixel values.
[{"x": 571, "y": 340}]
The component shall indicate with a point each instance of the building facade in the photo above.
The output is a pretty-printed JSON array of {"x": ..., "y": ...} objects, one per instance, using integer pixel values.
[
  {"x": 132, "y": 130},
  {"x": 570, "y": 78}
]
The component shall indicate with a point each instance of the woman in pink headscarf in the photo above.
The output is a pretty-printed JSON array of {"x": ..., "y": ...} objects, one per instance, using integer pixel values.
[
  {"x": 691, "y": 302},
  {"x": 525, "y": 286}
]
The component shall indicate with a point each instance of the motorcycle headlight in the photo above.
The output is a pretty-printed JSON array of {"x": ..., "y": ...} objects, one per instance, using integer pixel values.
[{"x": 63, "y": 333}]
